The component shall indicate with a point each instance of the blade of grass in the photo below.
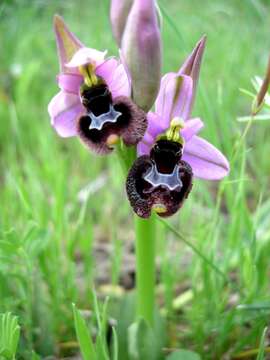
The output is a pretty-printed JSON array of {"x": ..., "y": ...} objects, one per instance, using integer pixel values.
[
  {"x": 194, "y": 249},
  {"x": 85, "y": 341}
]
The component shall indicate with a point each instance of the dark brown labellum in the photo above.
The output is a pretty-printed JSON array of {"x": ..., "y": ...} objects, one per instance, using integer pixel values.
[
  {"x": 106, "y": 116},
  {"x": 161, "y": 181}
]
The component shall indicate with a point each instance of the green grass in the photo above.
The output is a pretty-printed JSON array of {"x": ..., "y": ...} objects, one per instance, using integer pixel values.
[{"x": 47, "y": 234}]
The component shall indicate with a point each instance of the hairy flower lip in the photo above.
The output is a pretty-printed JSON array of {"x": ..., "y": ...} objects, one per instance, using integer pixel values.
[
  {"x": 130, "y": 126},
  {"x": 143, "y": 202}
]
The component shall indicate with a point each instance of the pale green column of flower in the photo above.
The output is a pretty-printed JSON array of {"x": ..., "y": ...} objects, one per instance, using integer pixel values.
[{"x": 145, "y": 268}]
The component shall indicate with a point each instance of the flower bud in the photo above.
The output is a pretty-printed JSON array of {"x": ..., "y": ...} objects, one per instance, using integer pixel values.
[
  {"x": 141, "y": 47},
  {"x": 118, "y": 14}
]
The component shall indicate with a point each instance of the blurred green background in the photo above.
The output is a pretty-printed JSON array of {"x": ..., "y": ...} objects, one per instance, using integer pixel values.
[{"x": 65, "y": 222}]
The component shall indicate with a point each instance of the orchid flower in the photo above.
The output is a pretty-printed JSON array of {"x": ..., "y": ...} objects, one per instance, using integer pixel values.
[
  {"x": 171, "y": 153},
  {"x": 93, "y": 102}
]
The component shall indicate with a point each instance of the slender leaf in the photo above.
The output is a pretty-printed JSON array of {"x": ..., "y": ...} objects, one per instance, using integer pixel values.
[{"x": 85, "y": 341}]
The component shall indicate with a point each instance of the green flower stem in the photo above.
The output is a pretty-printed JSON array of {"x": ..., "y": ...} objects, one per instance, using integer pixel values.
[
  {"x": 145, "y": 251},
  {"x": 145, "y": 268}
]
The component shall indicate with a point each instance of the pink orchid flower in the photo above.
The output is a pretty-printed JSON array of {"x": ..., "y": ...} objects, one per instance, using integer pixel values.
[
  {"x": 171, "y": 153},
  {"x": 93, "y": 102}
]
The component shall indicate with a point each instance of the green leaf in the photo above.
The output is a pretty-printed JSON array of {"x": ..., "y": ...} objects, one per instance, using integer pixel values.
[
  {"x": 9, "y": 335},
  {"x": 261, "y": 352},
  {"x": 114, "y": 345},
  {"x": 124, "y": 313},
  {"x": 35, "y": 356},
  {"x": 85, "y": 341},
  {"x": 261, "y": 117},
  {"x": 101, "y": 341},
  {"x": 142, "y": 343},
  {"x": 183, "y": 355}
]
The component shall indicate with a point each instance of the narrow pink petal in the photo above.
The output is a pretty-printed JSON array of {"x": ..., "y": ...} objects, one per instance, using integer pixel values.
[
  {"x": 86, "y": 56},
  {"x": 123, "y": 61},
  {"x": 192, "y": 127},
  {"x": 116, "y": 77},
  {"x": 70, "y": 82},
  {"x": 148, "y": 139},
  {"x": 207, "y": 162},
  {"x": 155, "y": 125},
  {"x": 64, "y": 110},
  {"x": 174, "y": 98},
  {"x": 161, "y": 98},
  {"x": 120, "y": 84},
  {"x": 154, "y": 128},
  {"x": 191, "y": 66},
  {"x": 67, "y": 42},
  {"x": 181, "y": 103},
  {"x": 107, "y": 69}
]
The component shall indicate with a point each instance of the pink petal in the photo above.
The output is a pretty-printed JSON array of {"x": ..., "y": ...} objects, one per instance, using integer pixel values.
[
  {"x": 67, "y": 43},
  {"x": 154, "y": 128},
  {"x": 207, "y": 162},
  {"x": 191, "y": 66},
  {"x": 143, "y": 149},
  {"x": 155, "y": 125},
  {"x": 174, "y": 98},
  {"x": 161, "y": 98},
  {"x": 123, "y": 61},
  {"x": 192, "y": 127},
  {"x": 86, "y": 56},
  {"x": 107, "y": 69},
  {"x": 70, "y": 82},
  {"x": 120, "y": 84},
  {"x": 116, "y": 77},
  {"x": 64, "y": 110}
]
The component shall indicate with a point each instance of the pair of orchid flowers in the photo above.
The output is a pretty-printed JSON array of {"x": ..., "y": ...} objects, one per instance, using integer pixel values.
[{"x": 103, "y": 100}]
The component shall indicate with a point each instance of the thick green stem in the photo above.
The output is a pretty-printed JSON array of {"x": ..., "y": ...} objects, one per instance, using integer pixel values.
[
  {"x": 145, "y": 268},
  {"x": 145, "y": 251}
]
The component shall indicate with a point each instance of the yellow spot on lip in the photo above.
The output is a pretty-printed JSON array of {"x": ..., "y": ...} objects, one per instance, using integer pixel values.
[
  {"x": 159, "y": 208},
  {"x": 112, "y": 139}
]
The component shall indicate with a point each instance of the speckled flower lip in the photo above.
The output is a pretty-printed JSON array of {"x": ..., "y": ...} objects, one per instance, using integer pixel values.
[{"x": 160, "y": 181}]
